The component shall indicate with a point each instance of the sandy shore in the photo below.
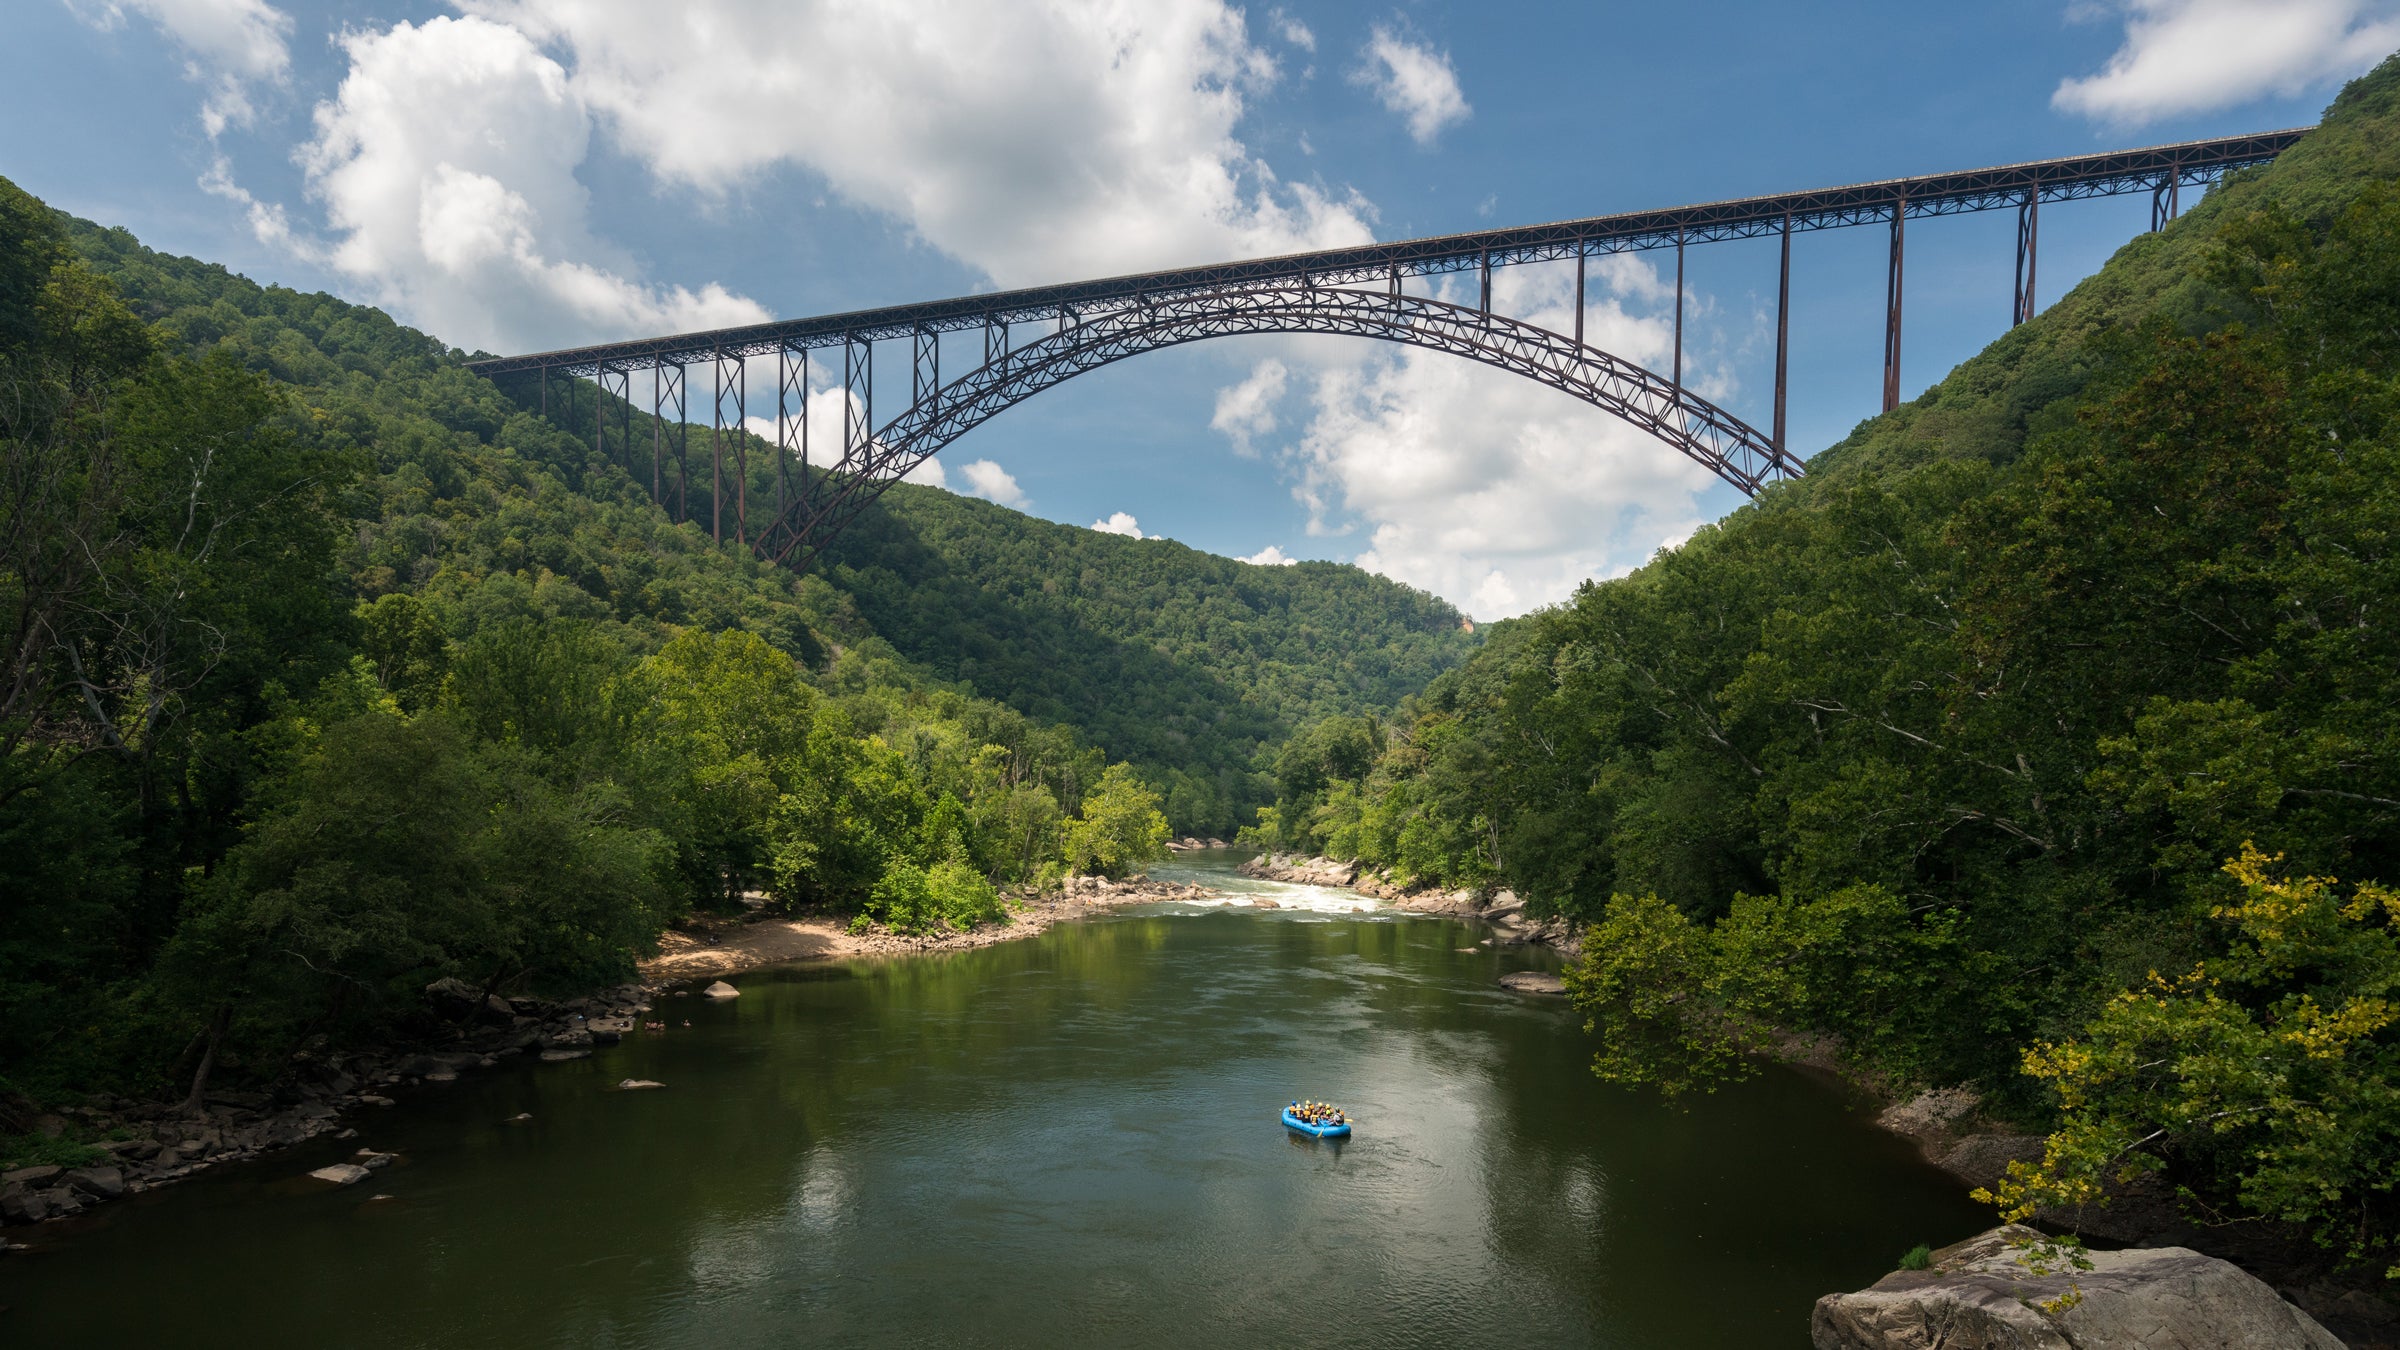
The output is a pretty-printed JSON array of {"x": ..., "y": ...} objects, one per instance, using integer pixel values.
[{"x": 711, "y": 948}]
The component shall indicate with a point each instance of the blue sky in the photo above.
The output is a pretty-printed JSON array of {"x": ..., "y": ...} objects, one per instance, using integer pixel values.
[{"x": 524, "y": 174}]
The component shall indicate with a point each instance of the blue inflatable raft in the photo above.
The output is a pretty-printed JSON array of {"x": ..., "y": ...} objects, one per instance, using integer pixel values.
[{"x": 1293, "y": 1122}]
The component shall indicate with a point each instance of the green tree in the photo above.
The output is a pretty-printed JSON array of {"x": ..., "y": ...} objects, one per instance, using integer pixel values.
[{"x": 1120, "y": 828}]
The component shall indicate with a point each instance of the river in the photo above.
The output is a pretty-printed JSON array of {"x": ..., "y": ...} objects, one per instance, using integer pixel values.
[{"x": 1068, "y": 1140}]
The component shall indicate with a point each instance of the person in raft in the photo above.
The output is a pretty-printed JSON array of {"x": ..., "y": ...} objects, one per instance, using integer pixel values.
[{"x": 1318, "y": 1113}]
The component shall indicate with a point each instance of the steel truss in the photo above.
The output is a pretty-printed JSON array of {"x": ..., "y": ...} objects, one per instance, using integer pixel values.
[
  {"x": 1731, "y": 448},
  {"x": 1360, "y": 291},
  {"x": 2157, "y": 170}
]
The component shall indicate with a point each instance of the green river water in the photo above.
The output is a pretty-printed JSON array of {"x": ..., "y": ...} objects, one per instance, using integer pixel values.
[{"x": 1067, "y": 1140}]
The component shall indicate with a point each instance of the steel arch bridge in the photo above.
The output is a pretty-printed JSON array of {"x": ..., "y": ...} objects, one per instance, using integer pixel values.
[
  {"x": 1728, "y": 446},
  {"x": 1358, "y": 291}
]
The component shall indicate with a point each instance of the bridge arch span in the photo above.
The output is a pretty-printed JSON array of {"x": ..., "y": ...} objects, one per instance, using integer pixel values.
[{"x": 1726, "y": 445}]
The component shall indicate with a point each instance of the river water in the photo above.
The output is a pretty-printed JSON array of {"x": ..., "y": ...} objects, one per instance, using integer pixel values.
[{"x": 1068, "y": 1140}]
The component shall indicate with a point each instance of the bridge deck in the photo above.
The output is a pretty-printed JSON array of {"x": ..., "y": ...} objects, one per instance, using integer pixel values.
[{"x": 2070, "y": 178}]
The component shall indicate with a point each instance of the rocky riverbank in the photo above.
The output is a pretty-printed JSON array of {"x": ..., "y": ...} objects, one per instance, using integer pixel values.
[
  {"x": 148, "y": 1144},
  {"x": 145, "y": 1145},
  {"x": 1511, "y": 925},
  {"x": 706, "y": 948}
]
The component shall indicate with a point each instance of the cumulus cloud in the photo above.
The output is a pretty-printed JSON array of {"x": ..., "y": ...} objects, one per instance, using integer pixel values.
[
  {"x": 1414, "y": 81},
  {"x": 1246, "y": 411},
  {"x": 1487, "y": 489},
  {"x": 1121, "y": 522},
  {"x": 446, "y": 166},
  {"x": 2188, "y": 56},
  {"x": 989, "y": 481},
  {"x": 1270, "y": 556},
  {"x": 228, "y": 46},
  {"x": 1292, "y": 30},
  {"x": 1036, "y": 143}
]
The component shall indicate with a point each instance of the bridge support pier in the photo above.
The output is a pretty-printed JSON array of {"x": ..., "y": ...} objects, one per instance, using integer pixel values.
[
  {"x": 1783, "y": 329},
  {"x": 2029, "y": 226},
  {"x": 858, "y": 393},
  {"x": 612, "y": 379},
  {"x": 1891, "y": 314},
  {"x": 732, "y": 381},
  {"x": 791, "y": 383},
  {"x": 1579, "y": 261},
  {"x": 1678, "y": 309}
]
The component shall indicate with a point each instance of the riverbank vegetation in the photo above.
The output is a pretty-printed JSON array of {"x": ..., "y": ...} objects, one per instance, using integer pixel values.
[{"x": 2018, "y": 746}]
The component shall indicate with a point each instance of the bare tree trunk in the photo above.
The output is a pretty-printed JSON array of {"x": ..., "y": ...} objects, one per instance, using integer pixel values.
[{"x": 194, "y": 1103}]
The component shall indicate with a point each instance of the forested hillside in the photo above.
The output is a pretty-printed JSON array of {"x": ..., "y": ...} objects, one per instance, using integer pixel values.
[
  {"x": 1187, "y": 663},
  {"x": 335, "y": 670},
  {"x": 2019, "y": 746}
]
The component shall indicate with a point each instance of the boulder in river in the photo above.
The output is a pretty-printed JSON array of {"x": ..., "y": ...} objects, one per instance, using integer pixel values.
[
  {"x": 1533, "y": 982},
  {"x": 721, "y": 990},
  {"x": 341, "y": 1174},
  {"x": 1985, "y": 1293},
  {"x": 637, "y": 1084}
]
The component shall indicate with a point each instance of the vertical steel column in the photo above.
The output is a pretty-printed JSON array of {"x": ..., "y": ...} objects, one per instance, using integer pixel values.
[
  {"x": 1395, "y": 286},
  {"x": 1486, "y": 307},
  {"x": 732, "y": 381},
  {"x": 658, "y": 428},
  {"x": 1579, "y": 260},
  {"x": 995, "y": 340},
  {"x": 2029, "y": 228},
  {"x": 741, "y": 450},
  {"x": 791, "y": 383},
  {"x": 1679, "y": 314},
  {"x": 545, "y": 393},
  {"x": 1783, "y": 329},
  {"x": 669, "y": 382},
  {"x": 858, "y": 389},
  {"x": 623, "y": 378},
  {"x": 2158, "y": 205},
  {"x": 1891, "y": 315},
  {"x": 927, "y": 372}
]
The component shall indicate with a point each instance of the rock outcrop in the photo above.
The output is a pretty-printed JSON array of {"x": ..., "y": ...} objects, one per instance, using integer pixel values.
[{"x": 1996, "y": 1292}]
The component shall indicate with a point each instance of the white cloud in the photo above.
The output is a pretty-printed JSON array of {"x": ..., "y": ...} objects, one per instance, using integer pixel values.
[
  {"x": 1414, "y": 81},
  {"x": 1492, "y": 491},
  {"x": 2187, "y": 56},
  {"x": 930, "y": 473},
  {"x": 446, "y": 166},
  {"x": 1270, "y": 556},
  {"x": 1036, "y": 143},
  {"x": 1292, "y": 30},
  {"x": 1121, "y": 522},
  {"x": 228, "y": 46},
  {"x": 993, "y": 483},
  {"x": 1246, "y": 410}
]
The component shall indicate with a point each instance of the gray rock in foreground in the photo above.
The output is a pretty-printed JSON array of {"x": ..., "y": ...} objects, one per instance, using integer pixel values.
[{"x": 1982, "y": 1295}]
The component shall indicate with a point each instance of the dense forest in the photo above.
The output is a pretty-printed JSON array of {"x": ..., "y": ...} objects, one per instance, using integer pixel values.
[
  {"x": 335, "y": 670},
  {"x": 1191, "y": 665},
  {"x": 2021, "y": 745}
]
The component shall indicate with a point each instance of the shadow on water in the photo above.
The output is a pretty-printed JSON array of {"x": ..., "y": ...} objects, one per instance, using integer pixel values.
[{"x": 1070, "y": 1139}]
